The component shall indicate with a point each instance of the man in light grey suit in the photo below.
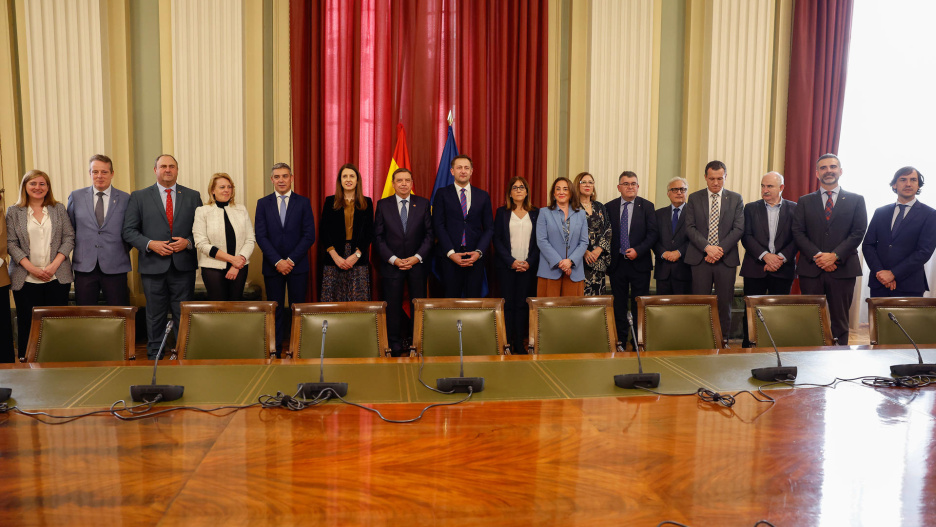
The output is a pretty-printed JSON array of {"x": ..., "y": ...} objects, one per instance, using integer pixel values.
[
  {"x": 101, "y": 259},
  {"x": 159, "y": 224},
  {"x": 713, "y": 252}
]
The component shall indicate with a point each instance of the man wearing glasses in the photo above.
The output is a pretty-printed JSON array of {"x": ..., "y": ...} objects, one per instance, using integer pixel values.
[{"x": 673, "y": 276}]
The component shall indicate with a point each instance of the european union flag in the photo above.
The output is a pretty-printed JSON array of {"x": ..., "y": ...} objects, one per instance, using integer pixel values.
[{"x": 444, "y": 176}]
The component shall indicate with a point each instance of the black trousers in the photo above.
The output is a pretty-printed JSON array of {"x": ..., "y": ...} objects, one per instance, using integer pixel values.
[
  {"x": 839, "y": 293},
  {"x": 220, "y": 288},
  {"x": 627, "y": 284},
  {"x": 276, "y": 287},
  {"x": 7, "y": 353},
  {"x": 722, "y": 277},
  {"x": 674, "y": 286},
  {"x": 399, "y": 325},
  {"x": 768, "y": 285},
  {"x": 163, "y": 292},
  {"x": 516, "y": 287},
  {"x": 462, "y": 282},
  {"x": 32, "y": 295},
  {"x": 89, "y": 285}
]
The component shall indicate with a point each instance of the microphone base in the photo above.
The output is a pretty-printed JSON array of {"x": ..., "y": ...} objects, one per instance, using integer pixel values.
[
  {"x": 312, "y": 390},
  {"x": 148, "y": 392},
  {"x": 778, "y": 373},
  {"x": 5, "y": 394},
  {"x": 912, "y": 370},
  {"x": 633, "y": 380},
  {"x": 460, "y": 384}
]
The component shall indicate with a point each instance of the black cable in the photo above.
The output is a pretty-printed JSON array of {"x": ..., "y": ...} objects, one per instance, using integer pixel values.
[
  {"x": 710, "y": 396},
  {"x": 677, "y": 524}
]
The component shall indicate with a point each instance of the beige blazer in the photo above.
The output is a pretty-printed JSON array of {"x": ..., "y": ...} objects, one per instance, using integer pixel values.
[{"x": 208, "y": 232}]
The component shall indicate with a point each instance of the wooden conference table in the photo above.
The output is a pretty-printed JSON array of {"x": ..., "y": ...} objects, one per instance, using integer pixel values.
[{"x": 550, "y": 440}]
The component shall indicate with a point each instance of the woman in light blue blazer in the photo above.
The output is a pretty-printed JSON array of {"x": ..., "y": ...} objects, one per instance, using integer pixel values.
[{"x": 562, "y": 238}]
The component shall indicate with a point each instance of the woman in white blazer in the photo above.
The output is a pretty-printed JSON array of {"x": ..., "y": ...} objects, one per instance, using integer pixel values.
[{"x": 224, "y": 240}]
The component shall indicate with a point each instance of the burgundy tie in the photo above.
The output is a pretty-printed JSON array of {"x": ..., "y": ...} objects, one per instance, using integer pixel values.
[{"x": 169, "y": 208}]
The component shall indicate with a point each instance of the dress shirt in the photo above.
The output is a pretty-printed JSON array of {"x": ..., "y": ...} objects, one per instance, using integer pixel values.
[
  {"x": 279, "y": 203},
  {"x": 162, "y": 196},
  {"x": 710, "y": 194},
  {"x": 458, "y": 190},
  {"x": 825, "y": 199},
  {"x": 681, "y": 209},
  {"x": 521, "y": 229},
  {"x": 106, "y": 197},
  {"x": 773, "y": 221},
  {"x": 909, "y": 204},
  {"x": 630, "y": 213},
  {"x": 409, "y": 203},
  {"x": 40, "y": 241}
]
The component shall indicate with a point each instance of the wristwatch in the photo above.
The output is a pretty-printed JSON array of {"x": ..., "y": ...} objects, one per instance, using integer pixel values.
[{"x": 357, "y": 253}]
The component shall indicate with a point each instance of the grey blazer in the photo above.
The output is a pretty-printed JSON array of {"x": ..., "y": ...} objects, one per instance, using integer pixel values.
[
  {"x": 99, "y": 245},
  {"x": 146, "y": 220},
  {"x": 63, "y": 241},
  {"x": 730, "y": 226}
]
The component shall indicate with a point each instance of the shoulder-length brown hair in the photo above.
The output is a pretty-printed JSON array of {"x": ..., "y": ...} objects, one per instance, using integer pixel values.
[
  {"x": 214, "y": 181},
  {"x": 509, "y": 202},
  {"x": 359, "y": 202},
  {"x": 578, "y": 181},
  {"x": 573, "y": 196},
  {"x": 49, "y": 200}
]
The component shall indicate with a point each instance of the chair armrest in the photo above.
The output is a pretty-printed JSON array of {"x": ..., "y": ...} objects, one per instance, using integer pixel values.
[
  {"x": 507, "y": 349},
  {"x": 835, "y": 341},
  {"x": 412, "y": 351},
  {"x": 387, "y": 352},
  {"x": 620, "y": 346},
  {"x": 288, "y": 354},
  {"x": 173, "y": 355}
]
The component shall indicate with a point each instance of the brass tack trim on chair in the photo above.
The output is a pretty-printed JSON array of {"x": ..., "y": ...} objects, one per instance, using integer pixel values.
[
  {"x": 123, "y": 322},
  {"x": 423, "y": 333}
]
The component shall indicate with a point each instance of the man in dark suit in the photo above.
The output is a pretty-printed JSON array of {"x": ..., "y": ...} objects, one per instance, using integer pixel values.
[
  {"x": 101, "y": 259},
  {"x": 402, "y": 235},
  {"x": 901, "y": 238},
  {"x": 285, "y": 231},
  {"x": 633, "y": 233},
  {"x": 714, "y": 224},
  {"x": 463, "y": 221},
  {"x": 770, "y": 251},
  {"x": 672, "y": 273},
  {"x": 158, "y": 223},
  {"x": 828, "y": 227}
]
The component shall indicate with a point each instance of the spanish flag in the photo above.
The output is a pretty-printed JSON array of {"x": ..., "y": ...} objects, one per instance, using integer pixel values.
[{"x": 400, "y": 160}]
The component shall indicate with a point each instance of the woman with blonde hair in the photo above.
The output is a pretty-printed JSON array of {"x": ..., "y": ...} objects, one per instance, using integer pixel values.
[
  {"x": 39, "y": 239},
  {"x": 224, "y": 241},
  {"x": 598, "y": 253}
]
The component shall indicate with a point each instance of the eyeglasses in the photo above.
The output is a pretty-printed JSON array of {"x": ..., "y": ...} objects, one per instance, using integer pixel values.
[
  {"x": 628, "y": 184},
  {"x": 586, "y": 184},
  {"x": 678, "y": 189},
  {"x": 518, "y": 187}
]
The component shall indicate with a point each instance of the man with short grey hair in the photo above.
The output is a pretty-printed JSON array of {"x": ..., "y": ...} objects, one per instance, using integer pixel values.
[{"x": 673, "y": 275}]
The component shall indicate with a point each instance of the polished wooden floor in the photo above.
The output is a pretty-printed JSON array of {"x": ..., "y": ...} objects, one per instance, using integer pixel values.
[{"x": 848, "y": 456}]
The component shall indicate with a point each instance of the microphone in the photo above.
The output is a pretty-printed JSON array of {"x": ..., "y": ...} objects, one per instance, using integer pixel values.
[
  {"x": 910, "y": 370},
  {"x": 148, "y": 392},
  {"x": 460, "y": 384},
  {"x": 778, "y": 373},
  {"x": 310, "y": 390},
  {"x": 632, "y": 380}
]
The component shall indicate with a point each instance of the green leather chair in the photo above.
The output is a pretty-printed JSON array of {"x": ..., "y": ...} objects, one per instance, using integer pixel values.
[
  {"x": 355, "y": 329},
  {"x": 226, "y": 330},
  {"x": 678, "y": 322},
  {"x": 435, "y": 331},
  {"x": 916, "y": 315},
  {"x": 82, "y": 333},
  {"x": 794, "y": 320},
  {"x": 572, "y": 324}
]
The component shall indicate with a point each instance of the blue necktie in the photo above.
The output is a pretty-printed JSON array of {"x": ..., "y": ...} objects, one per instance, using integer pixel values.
[
  {"x": 675, "y": 219},
  {"x": 403, "y": 215},
  {"x": 900, "y": 216},
  {"x": 282, "y": 210},
  {"x": 625, "y": 238}
]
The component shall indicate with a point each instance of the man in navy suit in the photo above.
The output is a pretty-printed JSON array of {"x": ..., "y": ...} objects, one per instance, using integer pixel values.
[
  {"x": 633, "y": 232},
  {"x": 828, "y": 227},
  {"x": 463, "y": 221},
  {"x": 401, "y": 251},
  {"x": 901, "y": 238},
  {"x": 770, "y": 251},
  {"x": 285, "y": 231},
  {"x": 101, "y": 259},
  {"x": 158, "y": 223},
  {"x": 672, "y": 273}
]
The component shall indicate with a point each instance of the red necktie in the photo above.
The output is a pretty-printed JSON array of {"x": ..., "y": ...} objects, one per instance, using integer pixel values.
[{"x": 169, "y": 208}]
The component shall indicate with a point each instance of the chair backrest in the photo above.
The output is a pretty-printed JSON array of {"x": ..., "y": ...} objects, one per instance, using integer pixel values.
[
  {"x": 355, "y": 329},
  {"x": 82, "y": 333},
  {"x": 435, "y": 332},
  {"x": 916, "y": 315},
  {"x": 572, "y": 324},
  {"x": 678, "y": 322},
  {"x": 793, "y": 320},
  {"x": 226, "y": 330}
]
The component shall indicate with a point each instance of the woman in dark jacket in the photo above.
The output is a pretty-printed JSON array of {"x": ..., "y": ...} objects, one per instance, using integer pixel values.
[
  {"x": 516, "y": 257},
  {"x": 346, "y": 230}
]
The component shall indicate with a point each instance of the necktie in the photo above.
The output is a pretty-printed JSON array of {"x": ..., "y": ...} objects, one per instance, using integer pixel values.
[
  {"x": 464, "y": 206},
  {"x": 828, "y": 206},
  {"x": 282, "y": 210},
  {"x": 900, "y": 216},
  {"x": 169, "y": 208},
  {"x": 713, "y": 221},
  {"x": 404, "y": 215},
  {"x": 99, "y": 209},
  {"x": 625, "y": 236},
  {"x": 675, "y": 220}
]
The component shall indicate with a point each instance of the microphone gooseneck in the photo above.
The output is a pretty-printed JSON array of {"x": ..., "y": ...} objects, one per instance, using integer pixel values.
[{"x": 917, "y": 348}]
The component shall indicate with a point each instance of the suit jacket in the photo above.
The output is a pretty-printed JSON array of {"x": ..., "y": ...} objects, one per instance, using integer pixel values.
[
  {"x": 208, "y": 232},
  {"x": 671, "y": 241},
  {"x": 730, "y": 226},
  {"x": 388, "y": 232},
  {"x": 643, "y": 233},
  {"x": 146, "y": 220},
  {"x": 841, "y": 235},
  {"x": 291, "y": 240},
  {"x": 63, "y": 241},
  {"x": 552, "y": 245},
  {"x": 906, "y": 252},
  {"x": 4, "y": 265},
  {"x": 756, "y": 240},
  {"x": 332, "y": 231},
  {"x": 502, "y": 257},
  {"x": 102, "y": 245},
  {"x": 448, "y": 222}
]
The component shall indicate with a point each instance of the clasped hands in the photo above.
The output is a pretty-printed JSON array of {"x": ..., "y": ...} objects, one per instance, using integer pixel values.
[
  {"x": 592, "y": 256},
  {"x": 826, "y": 261},
  {"x": 344, "y": 263},
  {"x": 713, "y": 253},
  {"x": 520, "y": 266},
  {"x": 45, "y": 274},
  {"x": 772, "y": 262},
  {"x": 472, "y": 257},
  {"x": 565, "y": 266},
  {"x": 887, "y": 279},
  {"x": 405, "y": 264},
  {"x": 162, "y": 248}
]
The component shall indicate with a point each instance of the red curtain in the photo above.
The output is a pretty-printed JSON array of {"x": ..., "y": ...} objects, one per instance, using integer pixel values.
[
  {"x": 360, "y": 67},
  {"x": 821, "y": 33}
]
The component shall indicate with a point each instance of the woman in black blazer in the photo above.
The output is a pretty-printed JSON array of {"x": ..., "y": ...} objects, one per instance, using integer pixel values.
[
  {"x": 346, "y": 230},
  {"x": 516, "y": 257}
]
